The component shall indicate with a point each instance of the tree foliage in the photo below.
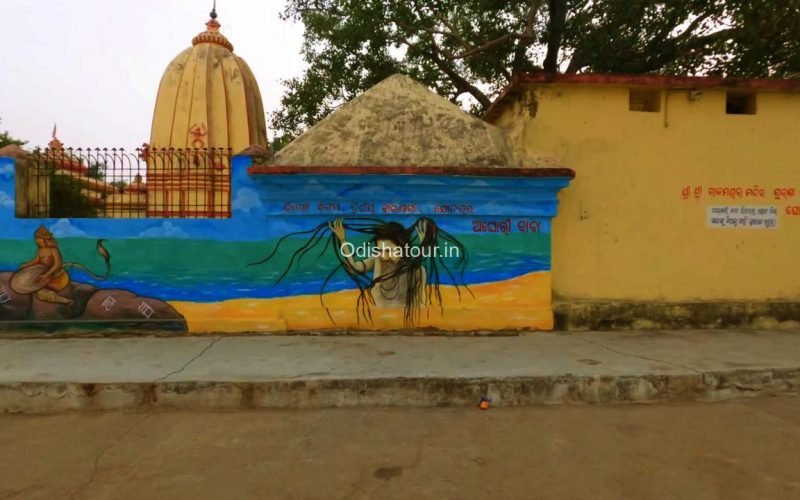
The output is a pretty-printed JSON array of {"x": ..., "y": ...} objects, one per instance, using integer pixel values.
[
  {"x": 68, "y": 200},
  {"x": 6, "y": 139},
  {"x": 468, "y": 50}
]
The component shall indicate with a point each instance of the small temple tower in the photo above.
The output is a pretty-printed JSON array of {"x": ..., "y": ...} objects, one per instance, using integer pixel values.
[{"x": 208, "y": 99}]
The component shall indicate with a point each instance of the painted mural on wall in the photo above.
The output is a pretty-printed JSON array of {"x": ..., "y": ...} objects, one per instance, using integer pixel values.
[
  {"x": 42, "y": 295},
  {"x": 300, "y": 252},
  {"x": 395, "y": 268}
]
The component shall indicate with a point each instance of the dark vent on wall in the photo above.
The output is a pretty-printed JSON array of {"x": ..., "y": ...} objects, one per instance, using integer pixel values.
[
  {"x": 740, "y": 103},
  {"x": 644, "y": 100}
]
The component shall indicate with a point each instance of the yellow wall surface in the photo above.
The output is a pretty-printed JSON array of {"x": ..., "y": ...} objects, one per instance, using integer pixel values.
[{"x": 626, "y": 228}]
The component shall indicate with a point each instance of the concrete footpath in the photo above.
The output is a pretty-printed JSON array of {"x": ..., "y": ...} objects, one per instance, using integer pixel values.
[{"x": 226, "y": 372}]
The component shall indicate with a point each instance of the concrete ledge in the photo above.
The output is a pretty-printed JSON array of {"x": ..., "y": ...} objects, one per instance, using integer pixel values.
[
  {"x": 37, "y": 397},
  {"x": 43, "y": 376},
  {"x": 638, "y": 315}
]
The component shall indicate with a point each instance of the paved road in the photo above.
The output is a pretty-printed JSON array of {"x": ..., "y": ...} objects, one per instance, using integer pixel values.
[{"x": 742, "y": 449}]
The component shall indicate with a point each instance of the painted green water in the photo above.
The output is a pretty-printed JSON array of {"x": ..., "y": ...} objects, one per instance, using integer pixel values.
[{"x": 181, "y": 269}]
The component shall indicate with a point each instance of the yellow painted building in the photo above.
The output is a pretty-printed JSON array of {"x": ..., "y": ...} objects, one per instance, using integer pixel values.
[{"x": 686, "y": 188}]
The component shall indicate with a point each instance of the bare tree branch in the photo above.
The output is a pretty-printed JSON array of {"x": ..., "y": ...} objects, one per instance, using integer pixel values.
[
  {"x": 435, "y": 54},
  {"x": 555, "y": 33},
  {"x": 453, "y": 32},
  {"x": 520, "y": 62},
  {"x": 486, "y": 46},
  {"x": 717, "y": 36},
  {"x": 462, "y": 84},
  {"x": 576, "y": 63},
  {"x": 526, "y": 37},
  {"x": 693, "y": 26},
  {"x": 530, "y": 20}
]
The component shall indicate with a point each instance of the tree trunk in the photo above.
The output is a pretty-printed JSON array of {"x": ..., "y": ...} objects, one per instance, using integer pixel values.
[{"x": 555, "y": 33}]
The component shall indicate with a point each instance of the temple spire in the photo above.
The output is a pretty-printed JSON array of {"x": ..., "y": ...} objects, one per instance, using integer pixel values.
[
  {"x": 54, "y": 142},
  {"x": 207, "y": 98},
  {"x": 212, "y": 34}
]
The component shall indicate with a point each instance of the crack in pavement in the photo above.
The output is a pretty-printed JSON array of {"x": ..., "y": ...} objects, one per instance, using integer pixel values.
[
  {"x": 186, "y": 365},
  {"x": 103, "y": 453},
  {"x": 136, "y": 424},
  {"x": 646, "y": 358}
]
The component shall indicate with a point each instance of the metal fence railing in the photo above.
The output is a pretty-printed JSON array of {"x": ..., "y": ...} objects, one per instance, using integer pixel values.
[{"x": 114, "y": 183}]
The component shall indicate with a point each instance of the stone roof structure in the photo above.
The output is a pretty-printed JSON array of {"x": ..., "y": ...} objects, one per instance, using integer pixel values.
[{"x": 400, "y": 122}]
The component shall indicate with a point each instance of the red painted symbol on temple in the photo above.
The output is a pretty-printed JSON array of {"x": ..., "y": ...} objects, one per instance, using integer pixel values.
[{"x": 198, "y": 133}]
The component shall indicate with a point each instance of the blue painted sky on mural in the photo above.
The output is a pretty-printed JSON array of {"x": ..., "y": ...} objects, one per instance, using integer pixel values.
[
  {"x": 259, "y": 217},
  {"x": 258, "y": 206}
]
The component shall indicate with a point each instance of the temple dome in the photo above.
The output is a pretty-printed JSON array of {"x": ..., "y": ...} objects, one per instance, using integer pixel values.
[{"x": 208, "y": 97}]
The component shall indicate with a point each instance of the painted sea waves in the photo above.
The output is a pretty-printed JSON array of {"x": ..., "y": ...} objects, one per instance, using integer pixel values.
[{"x": 210, "y": 271}]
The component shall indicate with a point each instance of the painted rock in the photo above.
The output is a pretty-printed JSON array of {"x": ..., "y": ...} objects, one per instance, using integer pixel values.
[
  {"x": 79, "y": 293},
  {"x": 125, "y": 309},
  {"x": 13, "y": 306}
]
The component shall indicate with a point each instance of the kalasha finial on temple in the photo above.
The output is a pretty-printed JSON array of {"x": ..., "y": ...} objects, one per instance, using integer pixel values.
[
  {"x": 54, "y": 142},
  {"x": 212, "y": 34}
]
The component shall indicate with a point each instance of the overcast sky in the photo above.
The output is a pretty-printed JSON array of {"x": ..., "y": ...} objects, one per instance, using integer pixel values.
[{"x": 93, "y": 66}]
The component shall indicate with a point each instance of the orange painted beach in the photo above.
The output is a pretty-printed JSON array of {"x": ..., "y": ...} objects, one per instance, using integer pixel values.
[{"x": 523, "y": 302}]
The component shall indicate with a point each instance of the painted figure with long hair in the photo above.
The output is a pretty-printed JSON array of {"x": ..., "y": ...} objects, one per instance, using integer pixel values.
[{"x": 403, "y": 268}]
